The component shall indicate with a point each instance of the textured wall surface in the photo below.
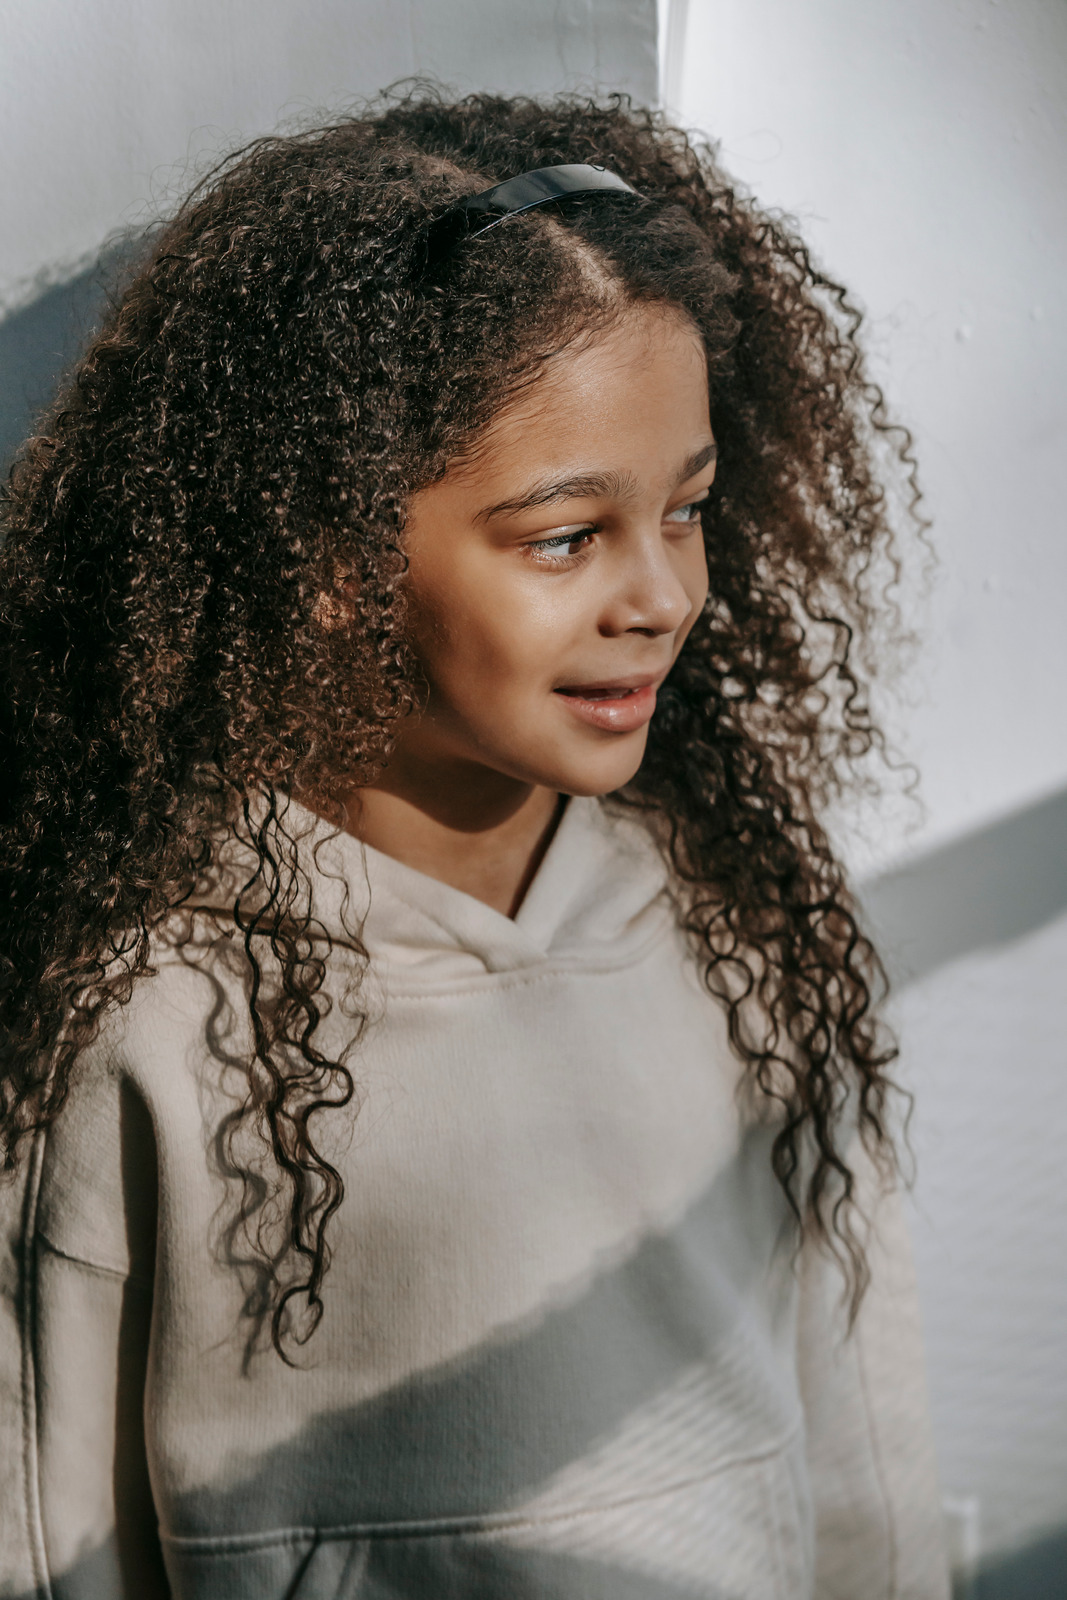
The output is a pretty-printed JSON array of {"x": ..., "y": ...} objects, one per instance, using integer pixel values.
[
  {"x": 921, "y": 146},
  {"x": 975, "y": 934},
  {"x": 984, "y": 1052}
]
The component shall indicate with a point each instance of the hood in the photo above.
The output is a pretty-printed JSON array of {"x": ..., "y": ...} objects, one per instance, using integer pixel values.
[{"x": 599, "y": 895}]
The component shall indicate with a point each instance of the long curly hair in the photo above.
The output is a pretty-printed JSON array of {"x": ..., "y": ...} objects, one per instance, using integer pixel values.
[{"x": 286, "y": 365}]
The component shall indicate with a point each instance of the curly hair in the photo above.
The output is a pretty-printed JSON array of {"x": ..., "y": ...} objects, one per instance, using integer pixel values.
[{"x": 283, "y": 369}]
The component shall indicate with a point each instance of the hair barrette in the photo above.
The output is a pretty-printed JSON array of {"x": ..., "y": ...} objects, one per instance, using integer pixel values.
[{"x": 477, "y": 213}]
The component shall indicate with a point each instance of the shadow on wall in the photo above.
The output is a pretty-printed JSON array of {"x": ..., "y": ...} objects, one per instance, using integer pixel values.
[
  {"x": 1039, "y": 1572},
  {"x": 40, "y": 342},
  {"x": 986, "y": 888}
]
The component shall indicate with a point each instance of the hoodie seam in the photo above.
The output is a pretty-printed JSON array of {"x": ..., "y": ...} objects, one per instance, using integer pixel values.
[{"x": 459, "y": 1526}]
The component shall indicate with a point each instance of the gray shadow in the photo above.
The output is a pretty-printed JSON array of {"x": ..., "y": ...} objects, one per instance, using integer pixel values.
[
  {"x": 489, "y": 1428},
  {"x": 1037, "y": 1572},
  {"x": 984, "y": 889},
  {"x": 40, "y": 342}
]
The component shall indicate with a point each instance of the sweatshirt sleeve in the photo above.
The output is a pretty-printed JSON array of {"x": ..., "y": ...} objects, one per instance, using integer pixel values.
[
  {"x": 76, "y": 1517},
  {"x": 878, "y": 1519}
]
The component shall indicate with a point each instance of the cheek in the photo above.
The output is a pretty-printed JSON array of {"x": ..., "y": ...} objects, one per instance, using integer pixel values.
[{"x": 487, "y": 636}]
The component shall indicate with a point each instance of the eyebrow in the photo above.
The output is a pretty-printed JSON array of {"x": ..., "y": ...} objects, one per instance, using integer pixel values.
[{"x": 589, "y": 485}]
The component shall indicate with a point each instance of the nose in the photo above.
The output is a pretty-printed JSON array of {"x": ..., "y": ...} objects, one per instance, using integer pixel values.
[{"x": 648, "y": 596}]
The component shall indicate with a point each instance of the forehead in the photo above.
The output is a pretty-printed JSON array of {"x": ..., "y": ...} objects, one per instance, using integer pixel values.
[{"x": 626, "y": 395}]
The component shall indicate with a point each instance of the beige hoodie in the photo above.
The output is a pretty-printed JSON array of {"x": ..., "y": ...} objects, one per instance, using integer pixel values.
[{"x": 567, "y": 1352}]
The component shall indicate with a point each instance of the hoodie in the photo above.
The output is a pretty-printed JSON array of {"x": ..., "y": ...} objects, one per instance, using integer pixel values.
[{"x": 571, "y": 1349}]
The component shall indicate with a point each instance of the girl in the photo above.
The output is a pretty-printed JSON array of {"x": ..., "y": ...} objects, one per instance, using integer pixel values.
[{"x": 447, "y": 1132}]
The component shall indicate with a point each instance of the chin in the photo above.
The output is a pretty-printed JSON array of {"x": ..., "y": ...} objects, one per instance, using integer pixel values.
[{"x": 607, "y": 771}]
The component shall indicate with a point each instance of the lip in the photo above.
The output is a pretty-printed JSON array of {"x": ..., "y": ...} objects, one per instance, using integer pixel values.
[{"x": 615, "y": 705}]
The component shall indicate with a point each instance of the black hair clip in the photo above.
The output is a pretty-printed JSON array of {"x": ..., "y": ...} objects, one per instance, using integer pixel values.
[{"x": 477, "y": 213}]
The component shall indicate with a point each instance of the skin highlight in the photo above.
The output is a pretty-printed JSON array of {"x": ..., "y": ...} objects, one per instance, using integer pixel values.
[{"x": 545, "y": 629}]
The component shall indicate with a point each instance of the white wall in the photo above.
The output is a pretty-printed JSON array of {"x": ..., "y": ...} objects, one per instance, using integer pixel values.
[
  {"x": 922, "y": 146},
  {"x": 108, "y": 106}
]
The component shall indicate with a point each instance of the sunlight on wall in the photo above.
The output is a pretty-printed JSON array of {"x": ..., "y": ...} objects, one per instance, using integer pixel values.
[{"x": 922, "y": 147}]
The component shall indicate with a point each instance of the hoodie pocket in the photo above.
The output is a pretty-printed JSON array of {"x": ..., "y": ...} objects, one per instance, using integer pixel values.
[
  {"x": 334, "y": 1570},
  {"x": 292, "y": 1565},
  {"x": 743, "y": 1532}
]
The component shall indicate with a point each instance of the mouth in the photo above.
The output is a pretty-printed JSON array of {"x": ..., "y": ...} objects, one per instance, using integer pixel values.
[
  {"x": 616, "y": 706},
  {"x": 612, "y": 688}
]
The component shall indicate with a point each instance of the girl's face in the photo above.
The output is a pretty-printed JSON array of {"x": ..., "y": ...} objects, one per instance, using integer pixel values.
[{"x": 555, "y": 575}]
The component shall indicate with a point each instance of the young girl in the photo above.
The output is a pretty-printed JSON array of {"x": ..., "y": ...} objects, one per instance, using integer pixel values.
[{"x": 447, "y": 1134}]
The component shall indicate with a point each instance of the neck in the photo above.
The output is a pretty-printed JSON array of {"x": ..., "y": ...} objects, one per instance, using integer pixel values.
[{"x": 461, "y": 823}]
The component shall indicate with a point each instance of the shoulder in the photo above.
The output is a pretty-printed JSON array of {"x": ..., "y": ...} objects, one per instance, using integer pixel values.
[{"x": 147, "y": 1073}]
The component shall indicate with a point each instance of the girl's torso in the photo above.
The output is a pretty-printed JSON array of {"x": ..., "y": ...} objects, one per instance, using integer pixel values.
[{"x": 558, "y": 1356}]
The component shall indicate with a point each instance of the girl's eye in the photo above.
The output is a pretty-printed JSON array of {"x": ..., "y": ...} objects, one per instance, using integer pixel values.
[
  {"x": 688, "y": 513},
  {"x": 562, "y": 545}
]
